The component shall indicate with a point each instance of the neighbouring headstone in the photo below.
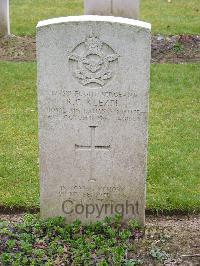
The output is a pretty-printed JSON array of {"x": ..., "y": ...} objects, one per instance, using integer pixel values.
[
  {"x": 118, "y": 8},
  {"x": 4, "y": 18},
  {"x": 93, "y": 79}
]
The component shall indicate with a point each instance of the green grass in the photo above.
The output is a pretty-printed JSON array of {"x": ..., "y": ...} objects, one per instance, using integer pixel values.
[
  {"x": 173, "y": 174},
  {"x": 18, "y": 135},
  {"x": 179, "y": 16},
  {"x": 25, "y": 14}
]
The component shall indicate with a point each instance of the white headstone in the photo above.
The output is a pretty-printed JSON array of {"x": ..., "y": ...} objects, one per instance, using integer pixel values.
[
  {"x": 118, "y": 8},
  {"x": 4, "y": 18},
  {"x": 93, "y": 79}
]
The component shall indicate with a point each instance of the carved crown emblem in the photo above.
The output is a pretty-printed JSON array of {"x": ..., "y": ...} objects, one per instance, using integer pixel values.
[{"x": 92, "y": 61}]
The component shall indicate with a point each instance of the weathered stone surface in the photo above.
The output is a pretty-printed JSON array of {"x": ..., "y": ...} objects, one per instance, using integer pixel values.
[
  {"x": 118, "y": 8},
  {"x": 93, "y": 79},
  {"x": 4, "y": 18}
]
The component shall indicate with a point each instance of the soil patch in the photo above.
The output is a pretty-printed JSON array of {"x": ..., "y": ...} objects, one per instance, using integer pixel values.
[
  {"x": 175, "y": 49},
  {"x": 165, "y": 49},
  {"x": 176, "y": 237},
  {"x": 179, "y": 236},
  {"x": 15, "y": 48}
]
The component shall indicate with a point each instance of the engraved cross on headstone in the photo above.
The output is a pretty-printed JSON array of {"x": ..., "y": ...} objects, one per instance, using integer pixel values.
[{"x": 92, "y": 148}]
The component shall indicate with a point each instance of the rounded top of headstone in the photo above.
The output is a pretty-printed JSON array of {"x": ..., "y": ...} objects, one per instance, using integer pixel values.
[{"x": 91, "y": 18}]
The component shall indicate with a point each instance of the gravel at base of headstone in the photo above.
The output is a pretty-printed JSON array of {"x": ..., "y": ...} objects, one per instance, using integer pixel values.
[{"x": 93, "y": 80}]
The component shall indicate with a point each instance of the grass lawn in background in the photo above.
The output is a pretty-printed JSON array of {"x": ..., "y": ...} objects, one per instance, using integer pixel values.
[
  {"x": 173, "y": 176},
  {"x": 18, "y": 135},
  {"x": 177, "y": 17},
  {"x": 173, "y": 166}
]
